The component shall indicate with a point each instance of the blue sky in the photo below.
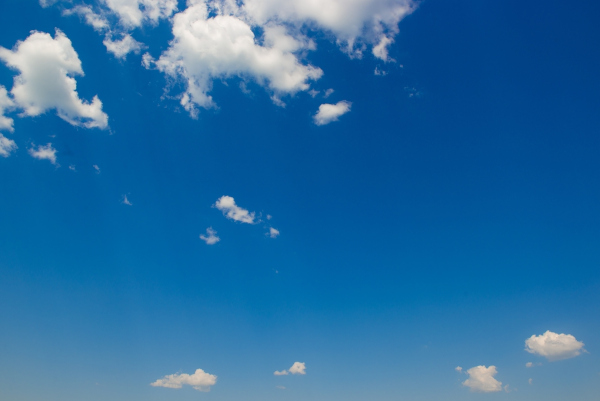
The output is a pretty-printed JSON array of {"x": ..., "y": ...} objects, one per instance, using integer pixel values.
[{"x": 438, "y": 209}]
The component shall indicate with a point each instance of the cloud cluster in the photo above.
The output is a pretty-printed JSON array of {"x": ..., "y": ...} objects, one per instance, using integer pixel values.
[
  {"x": 481, "y": 379},
  {"x": 211, "y": 237},
  {"x": 47, "y": 67},
  {"x": 298, "y": 368},
  {"x": 200, "y": 380},
  {"x": 554, "y": 346},
  {"x": 331, "y": 112},
  {"x": 226, "y": 204}
]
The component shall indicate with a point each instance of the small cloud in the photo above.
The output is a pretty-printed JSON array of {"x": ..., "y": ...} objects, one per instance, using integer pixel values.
[
  {"x": 72, "y": 167},
  {"x": 298, "y": 368},
  {"x": 200, "y": 381},
  {"x": 381, "y": 50},
  {"x": 44, "y": 152},
  {"x": 281, "y": 373},
  {"x": 273, "y": 232},
  {"x": 481, "y": 379},
  {"x": 458, "y": 369},
  {"x": 269, "y": 217},
  {"x": 328, "y": 93},
  {"x": 530, "y": 381},
  {"x": 7, "y": 146},
  {"x": 313, "y": 93},
  {"x": 126, "y": 201},
  {"x": 331, "y": 112},
  {"x": 380, "y": 73},
  {"x": 226, "y": 204},
  {"x": 531, "y": 364},
  {"x": 96, "y": 168},
  {"x": 280, "y": 387},
  {"x": 211, "y": 237},
  {"x": 277, "y": 101},
  {"x": 554, "y": 346},
  {"x": 121, "y": 48}
]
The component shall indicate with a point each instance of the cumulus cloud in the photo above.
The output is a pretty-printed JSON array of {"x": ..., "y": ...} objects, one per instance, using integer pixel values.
[
  {"x": 554, "y": 346},
  {"x": 211, "y": 236},
  {"x": 200, "y": 380},
  {"x": 97, "y": 21},
  {"x": 7, "y": 146},
  {"x": 209, "y": 47},
  {"x": 226, "y": 204},
  {"x": 6, "y": 104},
  {"x": 331, "y": 112},
  {"x": 46, "y": 80},
  {"x": 44, "y": 152},
  {"x": 273, "y": 232},
  {"x": 481, "y": 379},
  {"x": 458, "y": 369},
  {"x": 121, "y": 48},
  {"x": 133, "y": 13},
  {"x": 298, "y": 368}
]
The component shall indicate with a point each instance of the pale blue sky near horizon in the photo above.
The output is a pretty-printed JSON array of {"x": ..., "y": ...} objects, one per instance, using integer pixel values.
[{"x": 448, "y": 216}]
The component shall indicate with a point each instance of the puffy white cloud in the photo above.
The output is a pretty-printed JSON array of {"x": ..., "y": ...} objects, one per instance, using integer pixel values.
[
  {"x": 200, "y": 380},
  {"x": 132, "y": 13},
  {"x": 481, "y": 379},
  {"x": 349, "y": 20},
  {"x": 6, "y": 103},
  {"x": 298, "y": 368},
  {"x": 45, "y": 82},
  {"x": 554, "y": 346},
  {"x": 381, "y": 50},
  {"x": 206, "y": 48},
  {"x": 211, "y": 237},
  {"x": 227, "y": 205},
  {"x": 44, "y": 152},
  {"x": 273, "y": 232},
  {"x": 331, "y": 112},
  {"x": 97, "y": 21},
  {"x": 458, "y": 369},
  {"x": 121, "y": 48},
  {"x": 7, "y": 146}
]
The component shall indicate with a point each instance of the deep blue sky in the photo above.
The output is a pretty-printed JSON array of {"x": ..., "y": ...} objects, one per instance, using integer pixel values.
[{"x": 418, "y": 233}]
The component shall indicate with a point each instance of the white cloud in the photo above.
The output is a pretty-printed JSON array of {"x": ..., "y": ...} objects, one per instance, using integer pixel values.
[
  {"x": 95, "y": 20},
  {"x": 281, "y": 373},
  {"x": 328, "y": 93},
  {"x": 227, "y": 205},
  {"x": 381, "y": 50},
  {"x": 44, "y": 152},
  {"x": 200, "y": 380},
  {"x": 126, "y": 201},
  {"x": 6, "y": 103},
  {"x": 72, "y": 168},
  {"x": 554, "y": 346},
  {"x": 273, "y": 232},
  {"x": 298, "y": 368},
  {"x": 45, "y": 82},
  {"x": 351, "y": 21},
  {"x": 132, "y": 13},
  {"x": 481, "y": 379},
  {"x": 121, "y": 48},
  {"x": 211, "y": 237},
  {"x": 206, "y": 48},
  {"x": 96, "y": 168},
  {"x": 531, "y": 364},
  {"x": 458, "y": 369},
  {"x": 7, "y": 146},
  {"x": 331, "y": 112}
]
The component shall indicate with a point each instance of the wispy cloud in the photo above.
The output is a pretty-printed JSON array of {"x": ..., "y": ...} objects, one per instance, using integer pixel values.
[
  {"x": 126, "y": 201},
  {"x": 211, "y": 236},
  {"x": 273, "y": 232}
]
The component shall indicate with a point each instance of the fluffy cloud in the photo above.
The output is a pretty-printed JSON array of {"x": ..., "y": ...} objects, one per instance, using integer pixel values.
[
  {"x": 481, "y": 379},
  {"x": 223, "y": 46},
  {"x": 6, "y": 103},
  {"x": 200, "y": 380},
  {"x": 45, "y": 82},
  {"x": 554, "y": 346},
  {"x": 458, "y": 369},
  {"x": 273, "y": 232},
  {"x": 331, "y": 112},
  {"x": 132, "y": 13},
  {"x": 227, "y": 205},
  {"x": 121, "y": 48},
  {"x": 6, "y": 146},
  {"x": 95, "y": 20},
  {"x": 298, "y": 368},
  {"x": 350, "y": 21},
  {"x": 211, "y": 237},
  {"x": 44, "y": 152}
]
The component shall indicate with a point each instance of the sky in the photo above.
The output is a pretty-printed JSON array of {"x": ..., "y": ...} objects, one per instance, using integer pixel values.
[{"x": 290, "y": 200}]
